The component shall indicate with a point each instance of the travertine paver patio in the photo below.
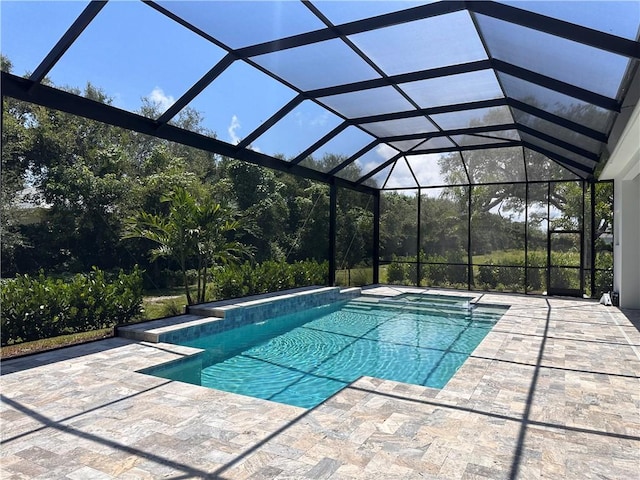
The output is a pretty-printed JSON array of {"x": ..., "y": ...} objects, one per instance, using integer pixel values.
[{"x": 552, "y": 392}]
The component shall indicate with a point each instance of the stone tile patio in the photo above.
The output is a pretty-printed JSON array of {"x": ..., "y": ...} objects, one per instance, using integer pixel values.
[{"x": 552, "y": 392}]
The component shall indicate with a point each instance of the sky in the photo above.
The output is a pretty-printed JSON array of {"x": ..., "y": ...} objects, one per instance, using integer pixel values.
[
  {"x": 131, "y": 51},
  {"x": 122, "y": 53}
]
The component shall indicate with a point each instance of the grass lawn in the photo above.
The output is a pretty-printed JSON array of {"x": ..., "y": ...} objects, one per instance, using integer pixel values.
[
  {"x": 157, "y": 306},
  {"x": 164, "y": 302},
  {"x": 507, "y": 257},
  {"x": 360, "y": 276},
  {"x": 43, "y": 345}
]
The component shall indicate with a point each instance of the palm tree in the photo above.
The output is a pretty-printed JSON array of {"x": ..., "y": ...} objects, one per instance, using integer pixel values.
[{"x": 196, "y": 233}]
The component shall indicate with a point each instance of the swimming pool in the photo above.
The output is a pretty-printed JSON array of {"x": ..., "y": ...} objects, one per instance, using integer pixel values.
[{"x": 304, "y": 358}]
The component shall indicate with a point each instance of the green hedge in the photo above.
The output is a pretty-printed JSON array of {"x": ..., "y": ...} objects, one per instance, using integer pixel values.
[
  {"x": 37, "y": 307},
  {"x": 504, "y": 271},
  {"x": 436, "y": 270},
  {"x": 251, "y": 279},
  {"x": 399, "y": 273}
]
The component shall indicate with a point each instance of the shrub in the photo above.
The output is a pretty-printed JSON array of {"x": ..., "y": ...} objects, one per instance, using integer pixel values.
[
  {"x": 235, "y": 281},
  {"x": 434, "y": 273},
  {"x": 603, "y": 282},
  {"x": 488, "y": 276},
  {"x": 504, "y": 272},
  {"x": 40, "y": 307},
  {"x": 231, "y": 282},
  {"x": 356, "y": 276},
  {"x": 362, "y": 276},
  {"x": 397, "y": 273},
  {"x": 604, "y": 260},
  {"x": 402, "y": 271},
  {"x": 536, "y": 279},
  {"x": 564, "y": 278},
  {"x": 172, "y": 308},
  {"x": 537, "y": 258}
]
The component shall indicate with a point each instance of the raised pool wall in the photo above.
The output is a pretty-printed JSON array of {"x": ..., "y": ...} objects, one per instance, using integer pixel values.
[{"x": 216, "y": 317}]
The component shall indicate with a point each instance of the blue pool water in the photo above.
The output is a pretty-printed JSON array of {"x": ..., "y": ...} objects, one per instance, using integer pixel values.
[{"x": 302, "y": 359}]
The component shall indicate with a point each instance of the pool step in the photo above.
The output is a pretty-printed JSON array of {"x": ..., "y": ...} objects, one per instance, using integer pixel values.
[
  {"x": 151, "y": 331},
  {"x": 441, "y": 310},
  {"x": 357, "y": 307},
  {"x": 435, "y": 302}
]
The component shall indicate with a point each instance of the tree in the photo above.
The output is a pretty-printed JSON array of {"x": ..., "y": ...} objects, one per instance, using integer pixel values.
[
  {"x": 194, "y": 232},
  {"x": 501, "y": 166},
  {"x": 308, "y": 222},
  {"x": 76, "y": 174},
  {"x": 15, "y": 140},
  {"x": 398, "y": 225},
  {"x": 257, "y": 192},
  {"x": 443, "y": 224}
]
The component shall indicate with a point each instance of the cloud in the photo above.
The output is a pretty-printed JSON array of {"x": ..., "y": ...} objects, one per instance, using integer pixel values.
[
  {"x": 303, "y": 119},
  {"x": 401, "y": 176},
  {"x": 427, "y": 169},
  {"x": 386, "y": 151},
  {"x": 320, "y": 120},
  {"x": 234, "y": 126},
  {"x": 369, "y": 161},
  {"x": 158, "y": 97}
]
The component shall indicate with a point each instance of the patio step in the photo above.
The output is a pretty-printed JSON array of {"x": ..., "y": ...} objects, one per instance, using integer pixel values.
[{"x": 150, "y": 331}]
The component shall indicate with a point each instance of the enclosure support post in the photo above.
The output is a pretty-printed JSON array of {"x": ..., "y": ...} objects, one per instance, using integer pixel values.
[
  {"x": 548, "y": 273},
  {"x": 376, "y": 237},
  {"x": 332, "y": 232},
  {"x": 469, "y": 252},
  {"x": 418, "y": 233},
  {"x": 526, "y": 238},
  {"x": 592, "y": 239},
  {"x": 582, "y": 229}
]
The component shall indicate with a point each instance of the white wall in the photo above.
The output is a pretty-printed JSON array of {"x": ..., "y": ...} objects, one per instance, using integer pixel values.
[
  {"x": 626, "y": 250},
  {"x": 624, "y": 168}
]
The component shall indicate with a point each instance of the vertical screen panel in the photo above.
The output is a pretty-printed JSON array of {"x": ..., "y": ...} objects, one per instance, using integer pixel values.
[
  {"x": 498, "y": 236},
  {"x": 398, "y": 224},
  {"x": 537, "y": 229},
  {"x": 354, "y": 238},
  {"x": 444, "y": 236},
  {"x": 603, "y": 238}
]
